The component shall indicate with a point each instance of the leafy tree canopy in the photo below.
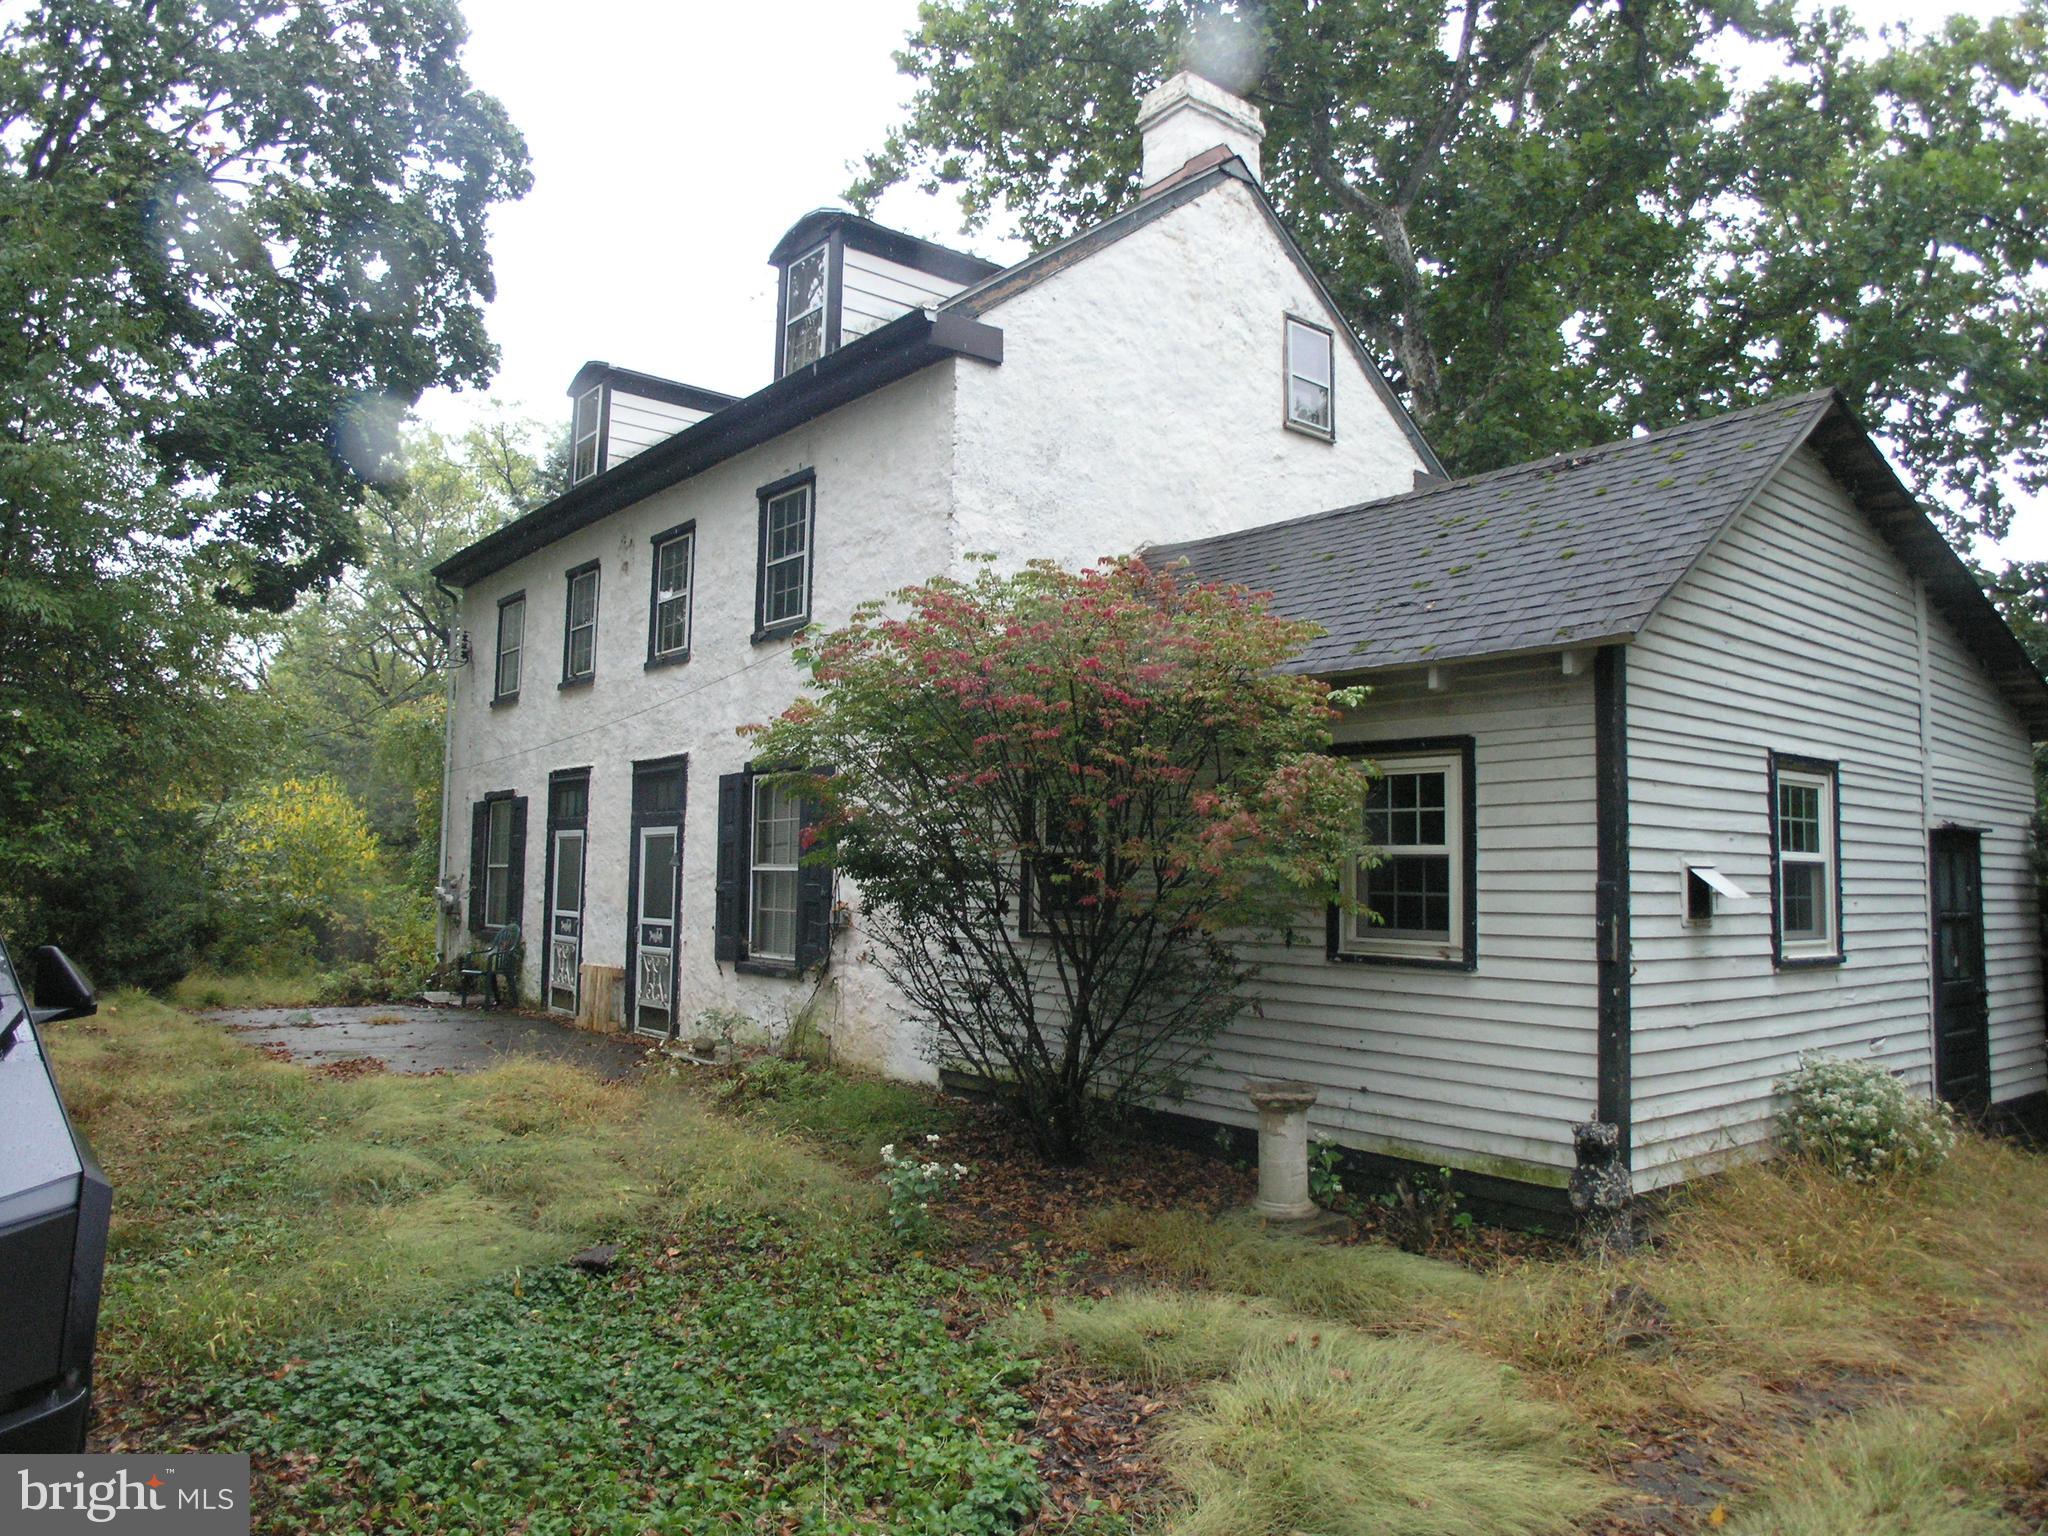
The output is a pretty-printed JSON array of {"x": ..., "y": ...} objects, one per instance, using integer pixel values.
[
  {"x": 238, "y": 239},
  {"x": 1109, "y": 757},
  {"x": 1555, "y": 220}
]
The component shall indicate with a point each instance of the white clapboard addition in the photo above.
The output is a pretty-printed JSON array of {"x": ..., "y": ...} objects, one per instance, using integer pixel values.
[
  {"x": 1799, "y": 633},
  {"x": 1481, "y": 1068}
]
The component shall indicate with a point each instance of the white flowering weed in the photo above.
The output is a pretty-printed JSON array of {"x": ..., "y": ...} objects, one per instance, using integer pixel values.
[
  {"x": 1856, "y": 1120},
  {"x": 915, "y": 1182}
]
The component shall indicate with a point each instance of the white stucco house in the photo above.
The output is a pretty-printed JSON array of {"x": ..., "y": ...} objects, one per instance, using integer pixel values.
[
  {"x": 1700, "y": 750},
  {"x": 925, "y": 406}
]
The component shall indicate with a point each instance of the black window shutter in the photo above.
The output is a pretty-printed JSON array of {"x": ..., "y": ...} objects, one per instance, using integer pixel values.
[
  {"x": 732, "y": 805},
  {"x": 515, "y": 878},
  {"x": 813, "y": 903},
  {"x": 479, "y": 837}
]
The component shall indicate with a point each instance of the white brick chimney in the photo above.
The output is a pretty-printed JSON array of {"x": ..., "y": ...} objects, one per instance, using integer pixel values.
[{"x": 1187, "y": 114}]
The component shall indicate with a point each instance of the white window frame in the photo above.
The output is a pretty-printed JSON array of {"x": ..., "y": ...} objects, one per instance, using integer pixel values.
[
  {"x": 516, "y": 650},
  {"x": 570, "y": 628},
  {"x": 801, "y": 559},
  {"x": 755, "y": 869},
  {"x": 1357, "y": 933},
  {"x": 822, "y": 309},
  {"x": 1826, "y": 944},
  {"x": 497, "y": 875},
  {"x": 664, "y": 596},
  {"x": 578, "y": 437},
  {"x": 1298, "y": 328}
]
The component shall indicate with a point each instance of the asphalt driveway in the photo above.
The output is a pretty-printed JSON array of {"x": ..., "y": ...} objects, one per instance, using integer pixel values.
[{"x": 409, "y": 1038}]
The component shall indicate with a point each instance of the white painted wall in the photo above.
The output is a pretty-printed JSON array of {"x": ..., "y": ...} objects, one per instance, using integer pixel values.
[
  {"x": 1140, "y": 399},
  {"x": 638, "y": 422},
  {"x": 875, "y": 290},
  {"x": 884, "y": 474},
  {"x": 1487, "y": 1069},
  {"x": 1753, "y": 652}
]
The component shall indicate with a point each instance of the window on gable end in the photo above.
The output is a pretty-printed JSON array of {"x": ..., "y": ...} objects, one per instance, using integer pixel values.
[{"x": 1311, "y": 378}]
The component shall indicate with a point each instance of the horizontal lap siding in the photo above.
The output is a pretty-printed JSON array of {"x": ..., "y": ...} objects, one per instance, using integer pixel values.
[
  {"x": 1462, "y": 1068},
  {"x": 875, "y": 290},
  {"x": 637, "y": 423},
  {"x": 1797, "y": 633},
  {"x": 1983, "y": 778}
]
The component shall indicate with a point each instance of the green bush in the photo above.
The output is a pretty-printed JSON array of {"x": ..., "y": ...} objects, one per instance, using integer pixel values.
[{"x": 1859, "y": 1122}]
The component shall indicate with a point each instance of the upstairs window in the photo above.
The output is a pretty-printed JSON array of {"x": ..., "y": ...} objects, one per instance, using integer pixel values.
[
  {"x": 1311, "y": 380},
  {"x": 1417, "y": 820},
  {"x": 511, "y": 645},
  {"x": 803, "y": 323},
  {"x": 585, "y": 433},
  {"x": 579, "y": 629},
  {"x": 784, "y": 581},
  {"x": 1805, "y": 837},
  {"x": 669, "y": 623}
]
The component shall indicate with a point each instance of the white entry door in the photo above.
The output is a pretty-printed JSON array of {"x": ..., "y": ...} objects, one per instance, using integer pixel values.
[
  {"x": 565, "y": 921},
  {"x": 654, "y": 939}
]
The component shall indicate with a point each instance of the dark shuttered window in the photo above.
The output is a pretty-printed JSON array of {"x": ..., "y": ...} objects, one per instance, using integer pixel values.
[
  {"x": 497, "y": 861},
  {"x": 773, "y": 909}
]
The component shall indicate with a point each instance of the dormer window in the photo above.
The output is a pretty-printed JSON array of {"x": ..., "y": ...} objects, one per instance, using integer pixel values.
[
  {"x": 588, "y": 428},
  {"x": 803, "y": 326}
]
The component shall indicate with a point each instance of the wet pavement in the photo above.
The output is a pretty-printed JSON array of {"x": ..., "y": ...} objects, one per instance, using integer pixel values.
[{"x": 410, "y": 1038}]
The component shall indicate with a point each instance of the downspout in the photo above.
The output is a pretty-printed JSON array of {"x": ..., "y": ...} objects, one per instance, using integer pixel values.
[{"x": 449, "y": 663}]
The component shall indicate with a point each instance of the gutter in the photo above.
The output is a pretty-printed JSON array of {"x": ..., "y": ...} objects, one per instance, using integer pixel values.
[{"x": 906, "y": 345}]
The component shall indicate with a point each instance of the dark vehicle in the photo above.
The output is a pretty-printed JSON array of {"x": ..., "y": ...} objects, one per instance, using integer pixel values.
[{"x": 54, "y": 1204}]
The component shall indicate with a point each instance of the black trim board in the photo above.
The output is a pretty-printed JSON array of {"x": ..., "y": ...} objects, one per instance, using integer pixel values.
[
  {"x": 879, "y": 240},
  {"x": 633, "y": 382},
  {"x": 1467, "y": 748},
  {"x": 1611, "y": 894},
  {"x": 904, "y": 346},
  {"x": 1819, "y": 768}
]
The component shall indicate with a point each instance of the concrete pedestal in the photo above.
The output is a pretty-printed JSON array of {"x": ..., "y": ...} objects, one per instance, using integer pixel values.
[{"x": 1283, "y": 1150}]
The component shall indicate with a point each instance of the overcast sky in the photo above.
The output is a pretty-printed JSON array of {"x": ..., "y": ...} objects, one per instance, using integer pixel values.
[{"x": 673, "y": 142}]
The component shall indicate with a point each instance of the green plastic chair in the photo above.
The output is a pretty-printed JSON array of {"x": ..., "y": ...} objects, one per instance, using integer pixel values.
[{"x": 482, "y": 968}]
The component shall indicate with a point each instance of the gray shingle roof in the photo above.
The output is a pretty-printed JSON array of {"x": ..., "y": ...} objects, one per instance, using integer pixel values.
[{"x": 1565, "y": 551}]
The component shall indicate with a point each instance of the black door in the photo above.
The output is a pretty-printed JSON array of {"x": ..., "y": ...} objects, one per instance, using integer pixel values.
[{"x": 1962, "y": 1026}]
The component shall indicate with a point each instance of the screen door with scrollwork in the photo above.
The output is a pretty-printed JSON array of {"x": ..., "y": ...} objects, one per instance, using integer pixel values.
[
  {"x": 655, "y": 896},
  {"x": 568, "y": 817}
]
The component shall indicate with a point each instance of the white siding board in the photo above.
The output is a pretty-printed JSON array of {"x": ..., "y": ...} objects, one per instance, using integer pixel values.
[
  {"x": 1467, "y": 1068},
  {"x": 637, "y": 422},
  {"x": 875, "y": 290},
  {"x": 1799, "y": 632}
]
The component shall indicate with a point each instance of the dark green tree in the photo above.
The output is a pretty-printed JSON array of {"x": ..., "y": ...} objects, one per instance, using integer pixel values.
[
  {"x": 1556, "y": 220},
  {"x": 238, "y": 238}
]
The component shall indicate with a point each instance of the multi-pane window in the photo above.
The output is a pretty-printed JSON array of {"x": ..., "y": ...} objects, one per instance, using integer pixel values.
[
  {"x": 777, "y": 848},
  {"x": 511, "y": 644},
  {"x": 786, "y": 557},
  {"x": 1804, "y": 813},
  {"x": 579, "y": 641},
  {"x": 584, "y": 435},
  {"x": 1412, "y": 884},
  {"x": 672, "y": 557},
  {"x": 1310, "y": 379},
  {"x": 803, "y": 326},
  {"x": 498, "y": 865}
]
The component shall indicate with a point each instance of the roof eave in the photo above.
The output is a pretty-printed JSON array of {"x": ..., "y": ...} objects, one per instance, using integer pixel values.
[{"x": 906, "y": 345}]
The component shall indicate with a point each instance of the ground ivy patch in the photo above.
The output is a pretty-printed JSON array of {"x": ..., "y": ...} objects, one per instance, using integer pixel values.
[{"x": 755, "y": 1386}]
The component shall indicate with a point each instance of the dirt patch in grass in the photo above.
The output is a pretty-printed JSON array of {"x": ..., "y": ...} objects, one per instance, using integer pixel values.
[{"x": 348, "y": 1067}]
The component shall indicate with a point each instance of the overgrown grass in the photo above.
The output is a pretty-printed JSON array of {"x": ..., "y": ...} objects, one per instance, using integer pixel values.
[
  {"x": 1368, "y": 1285},
  {"x": 1948, "y": 1463},
  {"x": 202, "y": 989},
  {"x": 851, "y": 1115},
  {"x": 1295, "y": 1424},
  {"x": 257, "y": 1201}
]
